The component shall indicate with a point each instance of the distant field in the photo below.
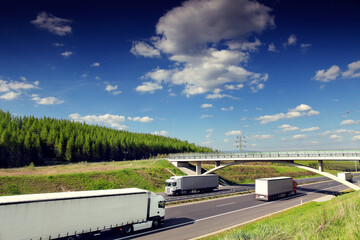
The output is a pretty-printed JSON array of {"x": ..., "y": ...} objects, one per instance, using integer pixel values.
[{"x": 336, "y": 219}]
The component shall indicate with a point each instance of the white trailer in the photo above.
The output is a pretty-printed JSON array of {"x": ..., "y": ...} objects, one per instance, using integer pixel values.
[
  {"x": 273, "y": 188},
  {"x": 186, "y": 184},
  {"x": 347, "y": 176},
  {"x": 70, "y": 214}
]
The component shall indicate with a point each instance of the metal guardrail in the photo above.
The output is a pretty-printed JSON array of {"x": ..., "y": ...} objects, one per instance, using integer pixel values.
[{"x": 293, "y": 154}]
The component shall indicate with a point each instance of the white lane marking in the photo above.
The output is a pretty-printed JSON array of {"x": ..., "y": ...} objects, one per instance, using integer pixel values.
[
  {"x": 226, "y": 204},
  {"x": 206, "y": 218}
]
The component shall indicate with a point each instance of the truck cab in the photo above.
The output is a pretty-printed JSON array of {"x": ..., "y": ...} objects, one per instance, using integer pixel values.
[{"x": 172, "y": 185}]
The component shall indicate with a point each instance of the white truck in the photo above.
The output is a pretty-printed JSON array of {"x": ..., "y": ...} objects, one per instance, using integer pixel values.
[
  {"x": 68, "y": 215},
  {"x": 274, "y": 188},
  {"x": 178, "y": 185},
  {"x": 347, "y": 176}
]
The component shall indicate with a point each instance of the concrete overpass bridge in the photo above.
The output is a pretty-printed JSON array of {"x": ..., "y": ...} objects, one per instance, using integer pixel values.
[{"x": 223, "y": 160}]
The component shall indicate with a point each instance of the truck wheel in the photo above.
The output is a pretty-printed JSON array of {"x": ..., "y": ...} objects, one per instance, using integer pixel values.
[
  {"x": 155, "y": 223},
  {"x": 128, "y": 229}
]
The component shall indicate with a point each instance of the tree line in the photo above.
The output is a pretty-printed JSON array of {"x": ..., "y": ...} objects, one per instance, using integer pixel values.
[{"x": 45, "y": 141}]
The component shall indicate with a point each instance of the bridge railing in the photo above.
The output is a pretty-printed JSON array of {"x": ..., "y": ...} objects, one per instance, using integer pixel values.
[{"x": 295, "y": 154}]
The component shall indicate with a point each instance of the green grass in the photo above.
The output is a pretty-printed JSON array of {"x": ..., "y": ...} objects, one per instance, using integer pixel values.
[
  {"x": 335, "y": 219},
  {"x": 144, "y": 176}
]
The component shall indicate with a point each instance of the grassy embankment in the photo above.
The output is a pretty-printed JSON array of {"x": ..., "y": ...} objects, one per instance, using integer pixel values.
[
  {"x": 146, "y": 174},
  {"x": 335, "y": 219}
]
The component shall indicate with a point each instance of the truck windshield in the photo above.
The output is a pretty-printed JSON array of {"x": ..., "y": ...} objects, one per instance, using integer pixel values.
[
  {"x": 169, "y": 184},
  {"x": 162, "y": 204}
]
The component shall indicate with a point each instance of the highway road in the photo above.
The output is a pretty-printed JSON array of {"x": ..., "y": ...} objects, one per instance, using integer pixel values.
[{"x": 196, "y": 219}]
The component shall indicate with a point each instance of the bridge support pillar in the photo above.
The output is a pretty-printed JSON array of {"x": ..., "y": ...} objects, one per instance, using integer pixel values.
[
  {"x": 321, "y": 165},
  {"x": 198, "y": 168},
  {"x": 217, "y": 163}
]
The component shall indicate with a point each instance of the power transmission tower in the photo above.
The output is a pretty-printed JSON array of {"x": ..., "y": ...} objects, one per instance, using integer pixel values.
[{"x": 240, "y": 140}]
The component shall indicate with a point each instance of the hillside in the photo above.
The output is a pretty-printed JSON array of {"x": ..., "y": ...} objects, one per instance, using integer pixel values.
[{"x": 48, "y": 141}]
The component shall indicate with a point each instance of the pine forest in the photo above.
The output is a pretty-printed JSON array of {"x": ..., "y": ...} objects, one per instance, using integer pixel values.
[{"x": 48, "y": 141}]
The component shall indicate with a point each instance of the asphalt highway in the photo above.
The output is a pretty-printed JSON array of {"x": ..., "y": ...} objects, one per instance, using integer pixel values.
[{"x": 192, "y": 220}]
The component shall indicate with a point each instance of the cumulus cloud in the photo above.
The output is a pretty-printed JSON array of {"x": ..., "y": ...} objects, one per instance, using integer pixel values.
[
  {"x": 206, "y": 105},
  {"x": 10, "y": 90},
  {"x": 356, "y": 138},
  {"x": 288, "y": 128},
  {"x": 114, "y": 121},
  {"x": 300, "y": 136},
  {"x": 161, "y": 133},
  {"x": 209, "y": 132},
  {"x": 231, "y": 108},
  {"x": 207, "y": 40},
  {"x": 66, "y": 54},
  {"x": 141, "y": 119},
  {"x": 305, "y": 46},
  {"x": 148, "y": 87},
  {"x": 300, "y": 111},
  {"x": 233, "y": 132},
  {"x": 55, "y": 25},
  {"x": 112, "y": 89},
  {"x": 46, "y": 100},
  {"x": 349, "y": 122},
  {"x": 10, "y": 95},
  {"x": 353, "y": 70},
  {"x": 144, "y": 49},
  {"x": 291, "y": 41},
  {"x": 327, "y": 75},
  {"x": 312, "y": 129}
]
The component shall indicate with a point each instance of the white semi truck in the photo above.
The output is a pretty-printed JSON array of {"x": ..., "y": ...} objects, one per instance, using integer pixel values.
[
  {"x": 274, "y": 188},
  {"x": 67, "y": 215},
  {"x": 347, "y": 176},
  {"x": 178, "y": 185}
]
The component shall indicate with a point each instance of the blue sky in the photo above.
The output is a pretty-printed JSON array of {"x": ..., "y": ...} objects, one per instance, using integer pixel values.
[{"x": 285, "y": 75}]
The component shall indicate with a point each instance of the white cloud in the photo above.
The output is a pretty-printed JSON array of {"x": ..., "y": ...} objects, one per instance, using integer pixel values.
[
  {"x": 84, "y": 75},
  {"x": 45, "y": 100},
  {"x": 233, "y": 132},
  {"x": 261, "y": 137},
  {"x": 350, "y": 122},
  {"x": 66, "y": 54},
  {"x": 291, "y": 41},
  {"x": 114, "y": 121},
  {"x": 353, "y": 70},
  {"x": 144, "y": 49},
  {"x": 141, "y": 119},
  {"x": 231, "y": 108},
  {"x": 234, "y": 87},
  {"x": 272, "y": 47},
  {"x": 148, "y": 87},
  {"x": 95, "y": 64},
  {"x": 161, "y": 133},
  {"x": 112, "y": 89},
  {"x": 191, "y": 35},
  {"x": 327, "y": 75},
  {"x": 288, "y": 128},
  {"x": 13, "y": 89},
  {"x": 336, "y": 137},
  {"x": 226, "y": 140},
  {"x": 300, "y": 136},
  {"x": 219, "y": 96},
  {"x": 10, "y": 95},
  {"x": 206, "y": 105},
  {"x": 300, "y": 111},
  {"x": 245, "y": 46},
  {"x": 312, "y": 129},
  {"x": 49, "y": 22},
  {"x": 22, "y": 78}
]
